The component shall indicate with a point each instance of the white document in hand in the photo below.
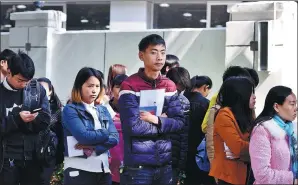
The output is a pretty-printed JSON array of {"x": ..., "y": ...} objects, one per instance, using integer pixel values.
[
  {"x": 72, "y": 152},
  {"x": 154, "y": 97}
]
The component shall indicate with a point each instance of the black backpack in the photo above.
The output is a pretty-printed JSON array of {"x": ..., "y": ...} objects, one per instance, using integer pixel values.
[{"x": 47, "y": 142}]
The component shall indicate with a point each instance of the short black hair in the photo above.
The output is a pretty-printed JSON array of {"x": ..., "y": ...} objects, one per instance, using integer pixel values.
[
  {"x": 22, "y": 64},
  {"x": 180, "y": 76},
  {"x": 171, "y": 61},
  {"x": 254, "y": 75},
  {"x": 152, "y": 39},
  {"x": 119, "y": 79},
  {"x": 6, "y": 54},
  {"x": 199, "y": 81},
  {"x": 234, "y": 71}
]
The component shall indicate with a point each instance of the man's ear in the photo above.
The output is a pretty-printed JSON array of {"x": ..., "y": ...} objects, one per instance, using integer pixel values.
[
  {"x": 205, "y": 88},
  {"x": 2, "y": 63},
  {"x": 141, "y": 55}
]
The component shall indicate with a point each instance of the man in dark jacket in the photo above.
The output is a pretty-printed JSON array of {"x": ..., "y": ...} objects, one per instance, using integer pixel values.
[
  {"x": 19, "y": 127},
  {"x": 147, "y": 144}
]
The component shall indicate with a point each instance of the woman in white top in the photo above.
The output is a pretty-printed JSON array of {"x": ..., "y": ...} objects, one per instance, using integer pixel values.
[{"x": 89, "y": 133}]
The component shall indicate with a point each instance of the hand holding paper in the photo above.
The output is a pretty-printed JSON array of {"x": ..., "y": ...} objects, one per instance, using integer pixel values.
[
  {"x": 71, "y": 147},
  {"x": 81, "y": 147},
  {"x": 229, "y": 153},
  {"x": 153, "y": 100},
  {"x": 148, "y": 117},
  {"x": 151, "y": 109}
]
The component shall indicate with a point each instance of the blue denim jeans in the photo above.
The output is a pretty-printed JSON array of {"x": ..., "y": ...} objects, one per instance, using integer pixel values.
[
  {"x": 79, "y": 177},
  {"x": 145, "y": 175}
]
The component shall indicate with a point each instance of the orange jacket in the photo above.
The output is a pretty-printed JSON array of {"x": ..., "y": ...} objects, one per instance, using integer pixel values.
[{"x": 226, "y": 130}]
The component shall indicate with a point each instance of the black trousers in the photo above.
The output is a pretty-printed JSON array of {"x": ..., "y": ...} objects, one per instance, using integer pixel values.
[
  {"x": 74, "y": 176},
  {"x": 46, "y": 175},
  {"x": 19, "y": 172}
]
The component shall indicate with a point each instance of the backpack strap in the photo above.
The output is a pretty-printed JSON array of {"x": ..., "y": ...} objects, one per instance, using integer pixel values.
[{"x": 31, "y": 95}]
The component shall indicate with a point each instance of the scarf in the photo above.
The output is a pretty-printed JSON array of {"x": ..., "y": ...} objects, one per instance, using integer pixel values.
[{"x": 288, "y": 128}]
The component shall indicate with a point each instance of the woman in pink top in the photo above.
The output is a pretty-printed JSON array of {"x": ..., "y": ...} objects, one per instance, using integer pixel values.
[
  {"x": 117, "y": 153},
  {"x": 273, "y": 144}
]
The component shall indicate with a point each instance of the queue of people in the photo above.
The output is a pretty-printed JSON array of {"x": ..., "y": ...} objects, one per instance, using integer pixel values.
[{"x": 145, "y": 128}]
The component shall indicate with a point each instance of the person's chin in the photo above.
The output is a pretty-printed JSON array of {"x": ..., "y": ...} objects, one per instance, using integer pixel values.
[{"x": 157, "y": 69}]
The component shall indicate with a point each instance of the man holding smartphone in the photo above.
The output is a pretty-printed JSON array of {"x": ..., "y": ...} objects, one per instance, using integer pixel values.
[{"x": 19, "y": 127}]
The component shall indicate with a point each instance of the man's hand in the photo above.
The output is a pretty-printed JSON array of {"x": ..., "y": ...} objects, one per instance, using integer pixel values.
[
  {"x": 148, "y": 117},
  {"x": 27, "y": 116}
]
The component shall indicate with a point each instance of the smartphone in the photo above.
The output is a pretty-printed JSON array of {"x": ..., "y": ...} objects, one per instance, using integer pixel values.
[{"x": 36, "y": 110}]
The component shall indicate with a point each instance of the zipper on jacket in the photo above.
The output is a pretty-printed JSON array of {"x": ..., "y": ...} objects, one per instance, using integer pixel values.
[{"x": 154, "y": 84}]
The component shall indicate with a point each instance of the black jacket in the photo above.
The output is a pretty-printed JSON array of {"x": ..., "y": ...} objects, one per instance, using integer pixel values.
[
  {"x": 180, "y": 139},
  {"x": 198, "y": 107},
  {"x": 19, "y": 139}
]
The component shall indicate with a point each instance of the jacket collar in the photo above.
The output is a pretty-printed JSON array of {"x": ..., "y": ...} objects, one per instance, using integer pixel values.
[
  {"x": 102, "y": 115},
  {"x": 7, "y": 86},
  {"x": 79, "y": 106},
  {"x": 89, "y": 105},
  {"x": 142, "y": 74},
  {"x": 274, "y": 130},
  {"x": 194, "y": 96}
]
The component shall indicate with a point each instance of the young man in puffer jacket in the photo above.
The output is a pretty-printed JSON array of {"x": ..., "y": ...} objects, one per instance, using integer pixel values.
[{"x": 147, "y": 144}]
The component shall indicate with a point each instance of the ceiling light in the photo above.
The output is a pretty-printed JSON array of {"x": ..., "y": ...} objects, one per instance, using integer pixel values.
[
  {"x": 21, "y": 6},
  {"x": 108, "y": 26},
  {"x": 164, "y": 5},
  {"x": 7, "y": 26},
  {"x": 203, "y": 20},
  {"x": 84, "y": 21},
  {"x": 187, "y": 14}
]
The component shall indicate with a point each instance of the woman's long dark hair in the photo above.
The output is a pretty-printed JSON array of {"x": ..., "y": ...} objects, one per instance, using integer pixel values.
[
  {"x": 54, "y": 100},
  {"x": 277, "y": 94},
  {"x": 235, "y": 93}
]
